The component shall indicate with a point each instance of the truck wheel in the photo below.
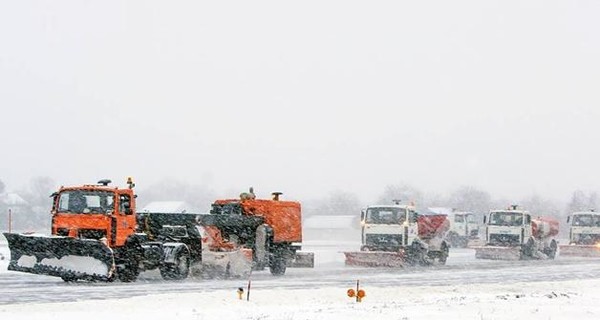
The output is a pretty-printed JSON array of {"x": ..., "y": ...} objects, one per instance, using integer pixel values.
[
  {"x": 68, "y": 278},
  {"x": 129, "y": 271},
  {"x": 417, "y": 255},
  {"x": 551, "y": 251},
  {"x": 443, "y": 255},
  {"x": 527, "y": 249},
  {"x": 177, "y": 270},
  {"x": 277, "y": 266}
]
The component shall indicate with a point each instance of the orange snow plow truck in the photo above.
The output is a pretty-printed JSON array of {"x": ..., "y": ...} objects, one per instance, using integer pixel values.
[
  {"x": 98, "y": 235},
  {"x": 396, "y": 236}
]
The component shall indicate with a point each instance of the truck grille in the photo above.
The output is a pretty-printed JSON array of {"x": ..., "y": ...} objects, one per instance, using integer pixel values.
[
  {"x": 587, "y": 239},
  {"x": 384, "y": 240},
  {"x": 505, "y": 240}
]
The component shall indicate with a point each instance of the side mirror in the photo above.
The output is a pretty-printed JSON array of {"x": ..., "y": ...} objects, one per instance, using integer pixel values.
[
  {"x": 414, "y": 216},
  {"x": 568, "y": 219},
  {"x": 362, "y": 215},
  {"x": 527, "y": 219},
  {"x": 484, "y": 219}
]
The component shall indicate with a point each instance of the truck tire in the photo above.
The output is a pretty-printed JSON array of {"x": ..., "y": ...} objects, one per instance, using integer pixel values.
[
  {"x": 277, "y": 266},
  {"x": 66, "y": 278},
  {"x": 177, "y": 270},
  {"x": 551, "y": 250},
  {"x": 278, "y": 258},
  {"x": 527, "y": 250},
  {"x": 128, "y": 271},
  {"x": 443, "y": 255},
  {"x": 128, "y": 260},
  {"x": 417, "y": 255}
]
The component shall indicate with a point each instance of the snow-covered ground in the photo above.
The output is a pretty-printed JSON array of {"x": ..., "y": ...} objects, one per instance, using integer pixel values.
[
  {"x": 466, "y": 289},
  {"x": 542, "y": 300}
]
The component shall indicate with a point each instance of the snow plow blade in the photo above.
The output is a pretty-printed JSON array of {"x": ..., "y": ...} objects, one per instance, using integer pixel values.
[
  {"x": 591, "y": 251},
  {"x": 374, "y": 259},
  {"x": 65, "y": 257},
  {"x": 226, "y": 264},
  {"x": 498, "y": 253},
  {"x": 303, "y": 260}
]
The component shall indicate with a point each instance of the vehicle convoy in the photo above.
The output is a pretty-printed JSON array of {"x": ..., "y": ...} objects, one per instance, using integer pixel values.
[
  {"x": 513, "y": 234},
  {"x": 584, "y": 235},
  {"x": 463, "y": 228},
  {"x": 98, "y": 235},
  {"x": 396, "y": 236}
]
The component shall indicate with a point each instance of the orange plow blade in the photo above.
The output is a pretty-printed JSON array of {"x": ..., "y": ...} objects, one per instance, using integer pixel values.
[
  {"x": 579, "y": 251},
  {"x": 374, "y": 259}
]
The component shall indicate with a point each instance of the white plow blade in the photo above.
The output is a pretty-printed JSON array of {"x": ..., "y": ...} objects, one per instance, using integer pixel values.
[
  {"x": 236, "y": 263},
  {"x": 374, "y": 259},
  {"x": 591, "y": 251},
  {"x": 498, "y": 253}
]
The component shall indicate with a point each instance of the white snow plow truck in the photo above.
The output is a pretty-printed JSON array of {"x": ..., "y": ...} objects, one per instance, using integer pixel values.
[
  {"x": 396, "y": 235},
  {"x": 513, "y": 234},
  {"x": 584, "y": 235},
  {"x": 463, "y": 228}
]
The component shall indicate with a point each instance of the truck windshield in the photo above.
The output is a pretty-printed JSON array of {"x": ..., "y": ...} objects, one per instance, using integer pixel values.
[
  {"x": 504, "y": 218},
  {"x": 586, "y": 220},
  {"x": 86, "y": 201},
  {"x": 471, "y": 219},
  {"x": 384, "y": 215}
]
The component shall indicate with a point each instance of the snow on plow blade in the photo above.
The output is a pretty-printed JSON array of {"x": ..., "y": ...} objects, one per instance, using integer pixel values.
[
  {"x": 303, "y": 260},
  {"x": 498, "y": 253},
  {"x": 374, "y": 259},
  {"x": 579, "y": 250},
  {"x": 64, "y": 257}
]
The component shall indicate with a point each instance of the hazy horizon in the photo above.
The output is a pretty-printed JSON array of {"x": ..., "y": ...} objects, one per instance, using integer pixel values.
[{"x": 305, "y": 98}]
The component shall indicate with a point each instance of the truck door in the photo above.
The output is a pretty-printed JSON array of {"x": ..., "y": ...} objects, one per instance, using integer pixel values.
[
  {"x": 461, "y": 224},
  {"x": 124, "y": 219},
  {"x": 527, "y": 228},
  {"x": 412, "y": 229}
]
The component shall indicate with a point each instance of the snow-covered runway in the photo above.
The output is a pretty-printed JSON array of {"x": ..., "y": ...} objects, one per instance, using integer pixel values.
[{"x": 464, "y": 288}]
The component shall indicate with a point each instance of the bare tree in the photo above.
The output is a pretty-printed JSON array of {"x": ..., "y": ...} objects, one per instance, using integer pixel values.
[
  {"x": 467, "y": 198},
  {"x": 39, "y": 191},
  {"x": 540, "y": 206},
  {"x": 580, "y": 201},
  {"x": 336, "y": 203}
]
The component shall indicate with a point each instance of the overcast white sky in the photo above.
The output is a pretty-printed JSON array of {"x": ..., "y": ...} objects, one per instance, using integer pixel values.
[{"x": 304, "y": 97}]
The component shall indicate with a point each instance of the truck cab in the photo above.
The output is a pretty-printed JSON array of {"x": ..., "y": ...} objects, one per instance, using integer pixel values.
[
  {"x": 462, "y": 228},
  {"x": 96, "y": 212},
  {"x": 388, "y": 227},
  {"x": 584, "y": 228},
  {"x": 508, "y": 228}
]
